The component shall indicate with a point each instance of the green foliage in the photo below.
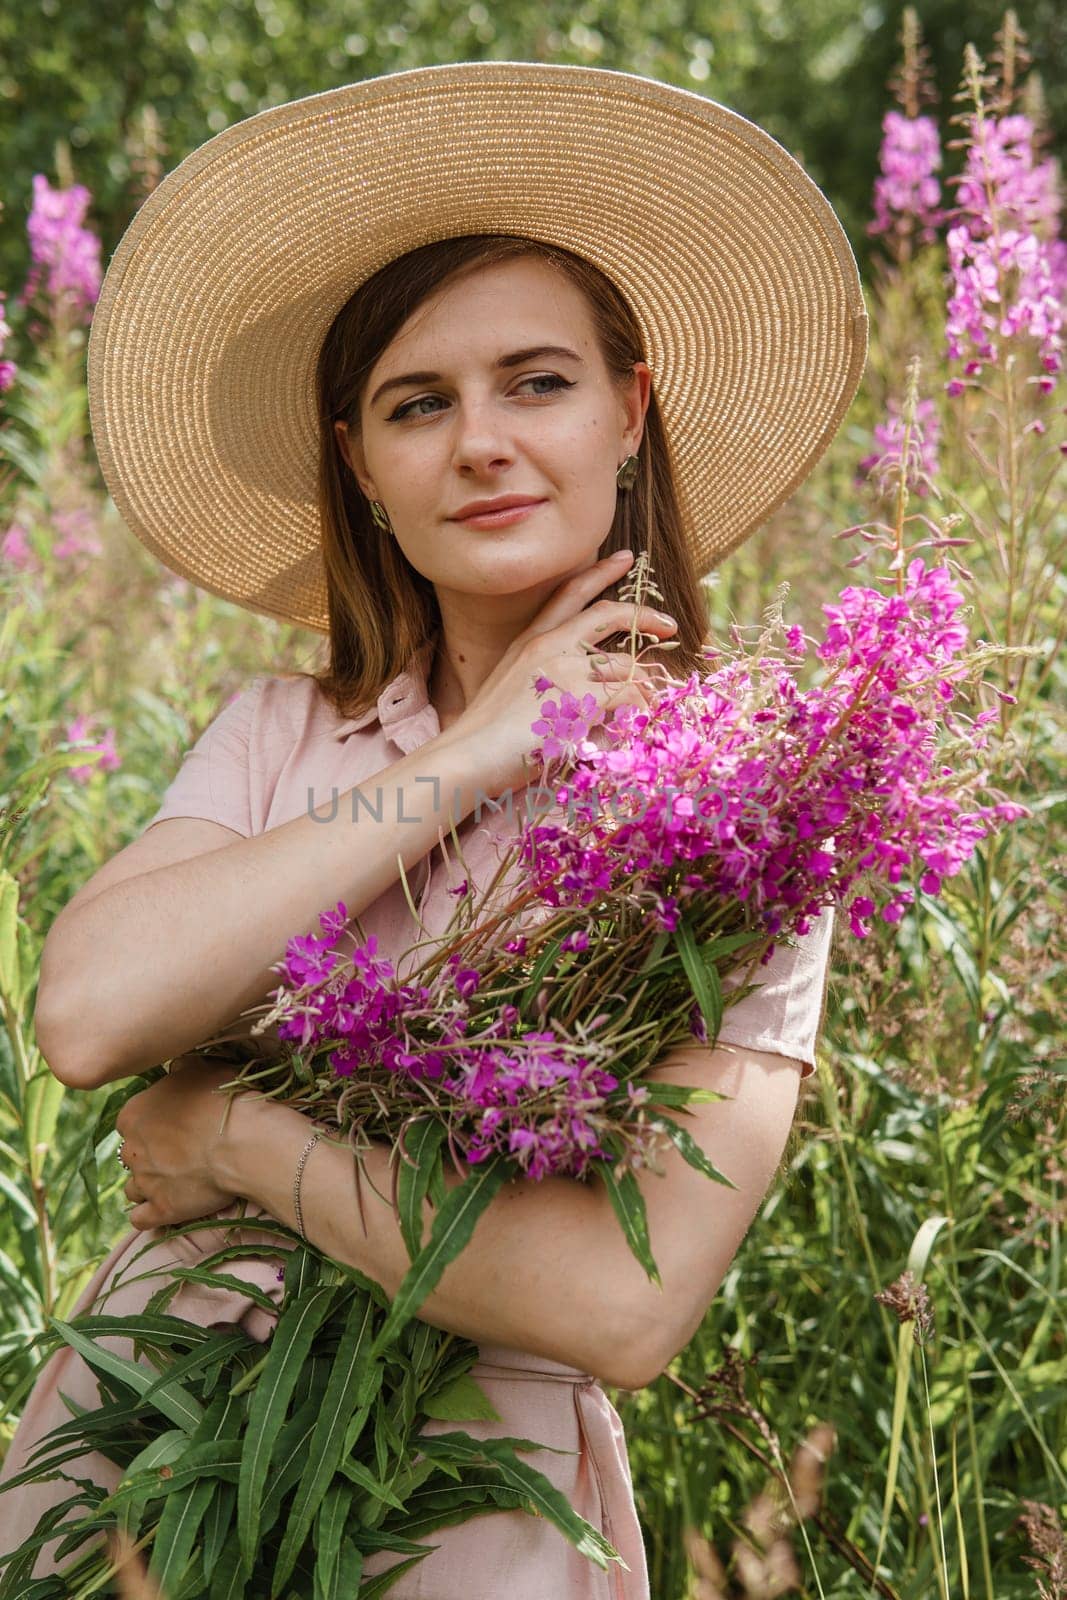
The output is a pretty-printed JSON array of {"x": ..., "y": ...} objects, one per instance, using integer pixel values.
[{"x": 278, "y": 1468}]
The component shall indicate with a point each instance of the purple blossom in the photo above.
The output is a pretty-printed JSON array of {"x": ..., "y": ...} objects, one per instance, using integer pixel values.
[
  {"x": 333, "y": 923},
  {"x": 63, "y": 252},
  {"x": 564, "y": 726},
  {"x": 307, "y": 959},
  {"x": 884, "y": 464},
  {"x": 15, "y": 548},
  {"x": 1008, "y": 265},
  {"x": 741, "y": 795},
  {"x": 907, "y": 194},
  {"x": 791, "y": 796},
  {"x": 78, "y": 733}
]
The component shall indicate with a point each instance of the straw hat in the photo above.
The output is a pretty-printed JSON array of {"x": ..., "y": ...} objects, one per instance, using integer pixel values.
[{"x": 204, "y": 340}]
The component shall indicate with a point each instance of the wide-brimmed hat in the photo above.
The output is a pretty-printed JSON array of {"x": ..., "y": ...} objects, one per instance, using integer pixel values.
[{"x": 209, "y": 323}]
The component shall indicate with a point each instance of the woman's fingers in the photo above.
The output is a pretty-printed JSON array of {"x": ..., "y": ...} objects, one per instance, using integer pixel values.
[{"x": 575, "y": 593}]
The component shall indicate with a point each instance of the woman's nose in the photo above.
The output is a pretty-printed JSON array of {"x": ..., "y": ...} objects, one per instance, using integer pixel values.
[{"x": 481, "y": 435}]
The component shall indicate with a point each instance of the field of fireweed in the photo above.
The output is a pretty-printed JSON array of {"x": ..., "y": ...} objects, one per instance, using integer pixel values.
[{"x": 876, "y": 1402}]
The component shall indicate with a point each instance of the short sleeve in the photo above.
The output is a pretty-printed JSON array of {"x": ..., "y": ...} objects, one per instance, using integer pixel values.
[
  {"x": 785, "y": 1013},
  {"x": 213, "y": 779}
]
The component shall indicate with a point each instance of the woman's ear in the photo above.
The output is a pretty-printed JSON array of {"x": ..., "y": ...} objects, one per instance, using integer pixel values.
[
  {"x": 634, "y": 406},
  {"x": 352, "y": 455},
  {"x": 340, "y": 430}
]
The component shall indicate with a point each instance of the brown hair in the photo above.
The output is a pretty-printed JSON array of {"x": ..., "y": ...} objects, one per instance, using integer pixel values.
[{"x": 380, "y": 609}]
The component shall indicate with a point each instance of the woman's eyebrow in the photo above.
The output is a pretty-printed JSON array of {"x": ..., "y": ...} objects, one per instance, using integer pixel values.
[{"x": 514, "y": 359}]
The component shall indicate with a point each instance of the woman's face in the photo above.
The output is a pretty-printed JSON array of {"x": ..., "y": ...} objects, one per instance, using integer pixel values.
[{"x": 482, "y": 411}]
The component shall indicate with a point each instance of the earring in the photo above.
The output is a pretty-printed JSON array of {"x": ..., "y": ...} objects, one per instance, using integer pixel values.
[
  {"x": 627, "y": 473},
  {"x": 380, "y": 516}
]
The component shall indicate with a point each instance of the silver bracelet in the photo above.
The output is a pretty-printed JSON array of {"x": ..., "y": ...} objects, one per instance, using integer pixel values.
[{"x": 312, "y": 1142}]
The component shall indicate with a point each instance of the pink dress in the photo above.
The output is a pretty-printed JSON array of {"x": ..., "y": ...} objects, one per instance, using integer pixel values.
[{"x": 276, "y": 751}]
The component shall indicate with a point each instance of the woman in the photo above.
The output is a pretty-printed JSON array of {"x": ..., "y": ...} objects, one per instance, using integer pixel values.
[{"x": 326, "y": 456}]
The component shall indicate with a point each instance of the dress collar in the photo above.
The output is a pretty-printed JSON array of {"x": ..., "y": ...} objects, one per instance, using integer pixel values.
[{"x": 403, "y": 704}]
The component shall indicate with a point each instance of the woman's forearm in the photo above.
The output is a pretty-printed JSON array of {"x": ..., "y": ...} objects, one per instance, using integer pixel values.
[
  {"x": 156, "y": 964},
  {"x": 547, "y": 1270}
]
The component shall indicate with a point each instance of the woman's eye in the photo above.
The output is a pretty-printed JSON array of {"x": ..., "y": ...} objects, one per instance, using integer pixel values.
[{"x": 407, "y": 409}]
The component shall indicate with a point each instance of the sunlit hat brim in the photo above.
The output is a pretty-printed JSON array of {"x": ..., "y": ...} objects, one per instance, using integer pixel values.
[{"x": 204, "y": 341}]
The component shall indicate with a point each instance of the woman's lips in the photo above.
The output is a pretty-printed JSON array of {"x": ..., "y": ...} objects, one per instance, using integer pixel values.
[{"x": 499, "y": 519}]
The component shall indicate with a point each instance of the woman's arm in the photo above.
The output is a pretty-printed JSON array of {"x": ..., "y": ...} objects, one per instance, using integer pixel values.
[
  {"x": 547, "y": 1270},
  {"x": 148, "y": 967}
]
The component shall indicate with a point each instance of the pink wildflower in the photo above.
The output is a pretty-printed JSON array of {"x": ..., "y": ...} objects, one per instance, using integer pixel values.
[
  {"x": 883, "y": 464},
  {"x": 62, "y": 248},
  {"x": 16, "y": 549},
  {"x": 1009, "y": 268},
  {"x": 78, "y": 734},
  {"x": 907, "y": 193}
]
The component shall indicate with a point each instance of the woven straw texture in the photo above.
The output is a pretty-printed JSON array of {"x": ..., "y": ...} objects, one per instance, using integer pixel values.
[{"x": 204, "y": 340}]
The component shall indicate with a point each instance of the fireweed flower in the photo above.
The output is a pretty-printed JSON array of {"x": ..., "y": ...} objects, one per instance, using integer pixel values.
[
  {"x": 906, "y": 193},
  {"x": 845, "y": 775},
  {"x": 15, "y": 548},
  {"x": 883, "y": 464},
  {"x": 64, "y": 253},
  {"x": 78, "y": 733},
  {"x": 529, "y": 1097},
  {"x": 1008, "y": 265}
]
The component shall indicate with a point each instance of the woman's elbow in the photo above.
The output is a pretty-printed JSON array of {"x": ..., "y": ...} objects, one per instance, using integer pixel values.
[
  {"x": 67, "y": 1058},
  {"x": 696, "y": 1226}
]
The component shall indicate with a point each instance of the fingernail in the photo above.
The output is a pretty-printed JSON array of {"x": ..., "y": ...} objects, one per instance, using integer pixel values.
[{"x": 662, "y": 616}]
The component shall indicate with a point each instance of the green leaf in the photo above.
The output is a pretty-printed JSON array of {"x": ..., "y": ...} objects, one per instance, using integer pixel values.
[
  {"x": 289, "y": 1346},
  {"x": 374, "y": 1588},
  {"x": 213, "y": 1458},
  {"x": 228, "y": 1581},
  {"x": 161, "y": 1452},
  {"x": 364, "y": 1479},
  {"x": 548, "y": 959},
  {"x": 44, "y": 1096},
  {"x": 692, "y": 1152},
  {"x": 422, "y": 1143},
  {"x": 172, "y": 1400},
  {"x": 216, "y": 1353},
  {"x": 452, "y": 1228},
  {"x": 10, "y": 979},
  {"x": 462, "y": 1400},
  {"x": 676, "y": 1095},
  {"x": 541, "y": 1493},
  {"x": 172, "y": 1547},
  {"x": 629, "y": 1206},
  {"x": 218, "y": 1522},
  {"x": 703, "y": 978},
  {"x": 329, "y": 1532},
  {"x": 344, "y": 1392},
  {"x": 288, "y": 1462}
]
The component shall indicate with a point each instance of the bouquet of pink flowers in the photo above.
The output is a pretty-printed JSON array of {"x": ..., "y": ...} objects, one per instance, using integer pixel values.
[
  {"x": 684, "y": 844},
  {"x": 685, "y": 841}
]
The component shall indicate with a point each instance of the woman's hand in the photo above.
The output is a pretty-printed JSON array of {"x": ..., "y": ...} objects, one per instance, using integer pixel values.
[
  {"x": 497, "y": 720},
  {"x": 172, "y": 1132}
]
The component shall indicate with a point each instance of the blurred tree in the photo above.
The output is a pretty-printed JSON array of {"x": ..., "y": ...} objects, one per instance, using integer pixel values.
[{"x": 114, "y": 92}]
